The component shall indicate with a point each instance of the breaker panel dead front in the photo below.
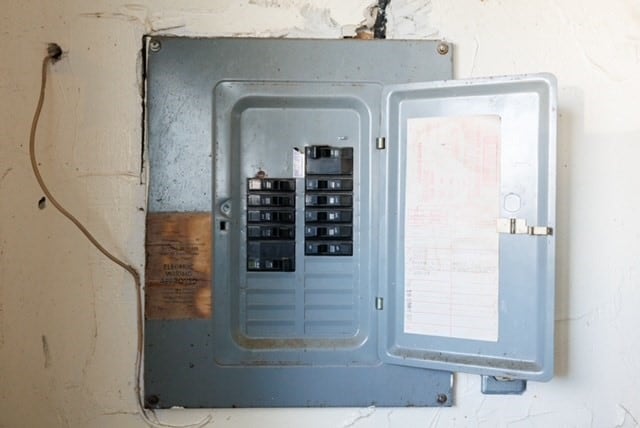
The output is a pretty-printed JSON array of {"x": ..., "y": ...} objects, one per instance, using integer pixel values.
[{"x": 327, "y": 230}]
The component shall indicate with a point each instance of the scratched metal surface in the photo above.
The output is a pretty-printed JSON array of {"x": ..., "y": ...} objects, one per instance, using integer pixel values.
[{"x": 222, "y": 363}]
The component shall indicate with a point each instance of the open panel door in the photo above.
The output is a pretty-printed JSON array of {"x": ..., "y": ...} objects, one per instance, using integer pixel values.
[{"x": 469, "y": 236}]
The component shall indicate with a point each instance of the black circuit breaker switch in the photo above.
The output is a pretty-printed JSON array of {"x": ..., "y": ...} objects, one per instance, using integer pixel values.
[
  {"x": 329, "y": 200},
  {"x": 328, "y": 231},
  {"x": 329, "y": 183},
  {"x": 328, "y": 248},
  {"x": 328, "y": 216}
]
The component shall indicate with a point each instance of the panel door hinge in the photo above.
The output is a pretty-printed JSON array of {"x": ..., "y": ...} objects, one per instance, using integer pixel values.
[
  {"x": 518, "y": 226},
  {"x": 379, "y": 303},
  {"x": 381, "y": 143}
]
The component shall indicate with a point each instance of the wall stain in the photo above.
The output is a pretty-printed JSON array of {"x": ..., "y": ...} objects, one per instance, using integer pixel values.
[
  {"x": 409, "y": 19},
  {"x": 317, "y": 21},
  {"x": 152, "y": 24},
  {"x": 119, "y": 412},
  {"x": 1, "y": 321},
  {"x": 109, "y": 15},
  {"x": 272, "y": 3},
  {"x": 94, "y": 337},
  {"x": 46, "y": 352}
]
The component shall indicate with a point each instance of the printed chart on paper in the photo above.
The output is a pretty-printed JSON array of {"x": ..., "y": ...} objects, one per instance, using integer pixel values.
[{"x": 450, "y": 238}]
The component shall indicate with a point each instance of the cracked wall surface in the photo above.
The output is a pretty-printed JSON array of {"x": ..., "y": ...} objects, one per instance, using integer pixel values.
[{"x": 67, "y": 316}]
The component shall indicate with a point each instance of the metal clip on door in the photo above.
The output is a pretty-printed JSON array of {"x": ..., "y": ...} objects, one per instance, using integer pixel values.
[{"x": 518, "y": 226}]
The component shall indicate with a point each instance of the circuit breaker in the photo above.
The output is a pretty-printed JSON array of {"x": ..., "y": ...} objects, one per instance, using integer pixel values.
[{"x": 325, "y": 229}]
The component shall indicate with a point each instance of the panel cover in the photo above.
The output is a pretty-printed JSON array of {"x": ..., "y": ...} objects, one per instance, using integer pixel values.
[
  {"x": 459, "y": 295},
  {"x": 269, "y": 300}
]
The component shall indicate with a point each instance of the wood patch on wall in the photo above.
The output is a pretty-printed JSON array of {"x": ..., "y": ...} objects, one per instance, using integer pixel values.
[{"x": 179, "y": 266}]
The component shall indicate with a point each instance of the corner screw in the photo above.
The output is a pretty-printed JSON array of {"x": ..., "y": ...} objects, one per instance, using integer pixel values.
[
  {"x": 153, "y": 400},
  {"x": 442, "y": 398},
  {"x": 443, "y": 48},
  {"x": 154, "y": 46}
]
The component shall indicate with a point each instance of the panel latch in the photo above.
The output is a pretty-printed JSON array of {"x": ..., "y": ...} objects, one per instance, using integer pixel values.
[{"x": 518, "y": 226}]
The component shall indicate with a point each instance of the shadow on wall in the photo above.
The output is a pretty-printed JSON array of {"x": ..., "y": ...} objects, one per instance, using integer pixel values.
[{"x": 570, "y": 131}]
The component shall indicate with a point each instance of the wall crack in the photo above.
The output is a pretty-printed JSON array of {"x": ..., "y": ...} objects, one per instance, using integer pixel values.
[
  {"x": 361, "y": 416},
  {"x": 628, "y": 412}
]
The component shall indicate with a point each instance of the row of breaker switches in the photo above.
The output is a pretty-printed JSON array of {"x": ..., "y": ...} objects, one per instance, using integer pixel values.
[
  {"x": 266, "y": 200},
  {"x": 271, "y": 217},
  {"x": 328, "y": 201}
]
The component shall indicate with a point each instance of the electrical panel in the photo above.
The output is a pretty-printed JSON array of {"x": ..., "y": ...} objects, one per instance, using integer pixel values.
[{"x": 328, "y": 230}]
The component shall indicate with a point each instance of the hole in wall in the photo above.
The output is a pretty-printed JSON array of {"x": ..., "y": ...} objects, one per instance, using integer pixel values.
[{"x": 42, "y": 203}]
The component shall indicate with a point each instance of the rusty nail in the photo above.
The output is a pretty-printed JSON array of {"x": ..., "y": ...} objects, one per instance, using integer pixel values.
[{"x": 443, "y": 48}]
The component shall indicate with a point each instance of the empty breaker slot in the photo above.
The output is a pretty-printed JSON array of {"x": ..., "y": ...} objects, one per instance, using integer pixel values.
[
  {"x": 329, "y": 200},
  {"x": 271, "y": 245}
]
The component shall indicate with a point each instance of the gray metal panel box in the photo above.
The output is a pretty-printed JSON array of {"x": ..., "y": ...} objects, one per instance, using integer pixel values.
[{"x": 282, "y": 142}]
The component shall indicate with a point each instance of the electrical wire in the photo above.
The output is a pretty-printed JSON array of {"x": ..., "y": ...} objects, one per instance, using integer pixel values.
[{"x": 54, "y": 52}]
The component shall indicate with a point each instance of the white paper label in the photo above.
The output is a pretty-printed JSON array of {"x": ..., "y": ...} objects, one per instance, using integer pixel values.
[
  {"x": 450, "y": 238},
  {"x": 298, "y": 164}
]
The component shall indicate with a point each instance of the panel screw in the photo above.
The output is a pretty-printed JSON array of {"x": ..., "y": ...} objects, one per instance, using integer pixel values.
[
  {"x": 153, "y": 400},
  {"x": 442, "y": 398},
  {"x": 226, "y": 208},
  {"x": 443, "y": 48},
  {"x": 154, "y": 46}
]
